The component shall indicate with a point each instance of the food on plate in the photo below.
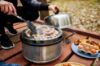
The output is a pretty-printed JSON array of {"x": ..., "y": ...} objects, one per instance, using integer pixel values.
[
  {"x": 69, "y": 64},
  {"x": 88, "y": 46}
]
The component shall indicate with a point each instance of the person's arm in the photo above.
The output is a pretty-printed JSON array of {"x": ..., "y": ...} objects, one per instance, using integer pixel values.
[{"x": 36, "y": 5}]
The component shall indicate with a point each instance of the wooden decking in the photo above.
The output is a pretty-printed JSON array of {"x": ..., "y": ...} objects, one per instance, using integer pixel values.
[{"x": 15, "y": 55}]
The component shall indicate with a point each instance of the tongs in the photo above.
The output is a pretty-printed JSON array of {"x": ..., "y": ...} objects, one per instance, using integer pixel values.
[{"x": 30, "y": 25}]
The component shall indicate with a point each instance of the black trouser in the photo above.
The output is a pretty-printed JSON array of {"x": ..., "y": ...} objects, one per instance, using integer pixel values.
[{"x": 6, "y": 21}]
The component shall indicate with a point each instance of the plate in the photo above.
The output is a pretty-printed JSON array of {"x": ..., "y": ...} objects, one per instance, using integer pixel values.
[
  {"x": 71, "y": 64},
  {"x": 85, "y": 55}
]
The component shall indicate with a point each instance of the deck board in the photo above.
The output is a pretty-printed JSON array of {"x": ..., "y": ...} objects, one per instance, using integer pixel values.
[
  {"x": 18, "y": 59},
  {"x": 19, "y": 25},
  {"x": 15, "y": 55},
  {"x": 8, "y": 53},
  {"x": 78, "y": 59}
]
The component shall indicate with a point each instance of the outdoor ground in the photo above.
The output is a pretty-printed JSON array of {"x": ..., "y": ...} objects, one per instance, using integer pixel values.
[{"x": 85, "y": 14}]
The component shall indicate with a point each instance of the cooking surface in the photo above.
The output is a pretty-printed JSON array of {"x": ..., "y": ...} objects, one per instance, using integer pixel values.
[
  {"x": 15, "y": 55},
  {"x": 44, "y": 32}
]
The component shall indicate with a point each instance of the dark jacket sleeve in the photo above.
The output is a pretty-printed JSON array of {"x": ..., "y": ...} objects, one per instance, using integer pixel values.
[{"x": 35, "y": 4}]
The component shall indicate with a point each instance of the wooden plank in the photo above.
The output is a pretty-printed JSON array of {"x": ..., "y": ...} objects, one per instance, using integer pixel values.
[
  {"x": 5, "y": 54},
  {"x": 98, "y": 63},
  {"x": 18, "y": 59},
  {"x": 15, "y": 24},
  {"x": 78, "y": 59},
  {"x": 66, "y": 52},
  {"x": 20, "y": 25},
  {"x": 84, "y": 32}
]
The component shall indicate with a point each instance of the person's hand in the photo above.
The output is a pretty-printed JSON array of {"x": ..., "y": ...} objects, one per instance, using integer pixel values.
[
  {"x": 7, "y": 8},
  {"x": 54, "y": 8}
]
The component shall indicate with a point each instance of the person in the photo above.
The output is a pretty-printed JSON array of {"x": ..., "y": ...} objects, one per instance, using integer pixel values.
[{"x": 8, "y": 11}]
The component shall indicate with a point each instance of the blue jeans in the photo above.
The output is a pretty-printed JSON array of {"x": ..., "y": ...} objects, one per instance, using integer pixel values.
[{"x": 2, "y": 63}]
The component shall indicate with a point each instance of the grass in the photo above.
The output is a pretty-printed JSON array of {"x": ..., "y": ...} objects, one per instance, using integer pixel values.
[{"x": 85, "y": 14}]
